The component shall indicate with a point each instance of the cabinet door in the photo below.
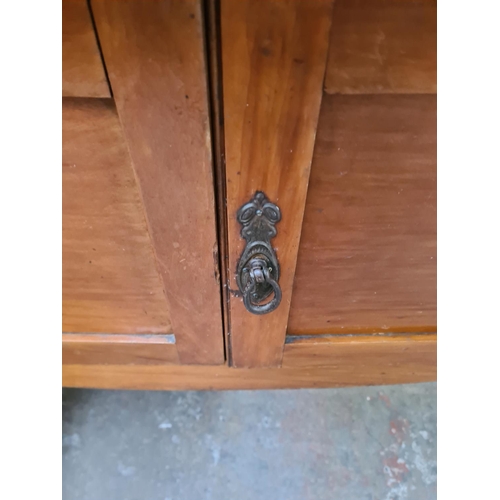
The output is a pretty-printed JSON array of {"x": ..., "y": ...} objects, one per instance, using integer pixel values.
[
  {"x": 350, "y": 162},
  {"x": 141, "y": 270},
  {"x": 324, "y": 123}
]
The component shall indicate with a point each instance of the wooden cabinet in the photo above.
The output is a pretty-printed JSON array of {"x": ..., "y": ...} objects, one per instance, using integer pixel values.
[{"x": 326, "y": 108}]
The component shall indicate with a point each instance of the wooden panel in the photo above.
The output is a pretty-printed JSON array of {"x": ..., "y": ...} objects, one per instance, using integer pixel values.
[
  {"x": 155, "y": 59},
  {"x": 96, "y": 349},
  {"x": 383, "y": 46},
  {"x": 367, "y": 258},
  {"x": 273, "y": 60},
  {"x": 110, "y": 283},
  {"x": 82, "y": 70},
  {"x": 331, "y": 362},
  {"x": 358, "y": 351}
]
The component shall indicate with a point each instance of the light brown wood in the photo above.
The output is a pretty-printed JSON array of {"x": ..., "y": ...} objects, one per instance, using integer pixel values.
[
  {"x": 99, "y": 349},
  {"x": 383, "y": 46},
  {"x": 367, "y": 257},
  {"x": 154, "y": 54},
  {"x": 333, "y": 362},
  {"x": 273, "y": 60},
  {"x": 363, "y": 351},
  {"x": 110, "y": 282},
  {"x": 82, "y": 70},
  {"x": 213, "y": 36}
]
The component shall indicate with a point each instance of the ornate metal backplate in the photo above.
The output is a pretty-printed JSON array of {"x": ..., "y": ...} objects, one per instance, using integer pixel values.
[{"x": 258, "y": 270}]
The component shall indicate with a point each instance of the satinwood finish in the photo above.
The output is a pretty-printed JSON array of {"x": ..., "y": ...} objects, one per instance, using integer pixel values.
[
  {"x": 367, "y": 257},
  {"x": 273, "y": 63},
  {"x": 110, "y": 282},
  {"x": 383, "y": 46},
  {"x": 99, "y": 349},
  {"x": 329, "y": 362},
  {"x": 155, "y": 57},
  {"x": 82, "y": 70}
]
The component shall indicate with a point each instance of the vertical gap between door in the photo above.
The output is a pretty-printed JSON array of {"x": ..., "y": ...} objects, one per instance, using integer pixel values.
[
  {"x": 99, "y": 48},
  {"x": 213, "y": 51}
]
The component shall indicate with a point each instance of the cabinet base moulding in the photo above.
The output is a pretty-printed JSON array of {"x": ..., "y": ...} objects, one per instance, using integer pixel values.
[{"x": 307, "y": 363}]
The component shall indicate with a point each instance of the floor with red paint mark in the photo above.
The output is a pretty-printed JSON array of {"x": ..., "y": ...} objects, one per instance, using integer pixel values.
[{"x": 364, "y": 443}]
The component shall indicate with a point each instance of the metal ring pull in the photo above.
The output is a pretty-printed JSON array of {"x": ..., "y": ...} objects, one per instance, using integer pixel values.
[
  {"x": 257, "y": 274},
  {"x": 260, "y": 274}
]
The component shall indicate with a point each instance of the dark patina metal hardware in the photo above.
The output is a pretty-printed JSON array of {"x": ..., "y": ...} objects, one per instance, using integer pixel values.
[{"x": 258, "y": 270}]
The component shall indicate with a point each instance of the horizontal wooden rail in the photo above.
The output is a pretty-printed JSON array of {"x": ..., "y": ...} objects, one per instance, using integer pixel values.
[{"x": 323, "y": 361}]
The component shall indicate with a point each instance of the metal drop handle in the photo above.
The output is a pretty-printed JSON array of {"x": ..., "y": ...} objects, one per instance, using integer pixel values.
[
  {"x": 260, "y": 274},
  {"x": 257, "y": 274}
]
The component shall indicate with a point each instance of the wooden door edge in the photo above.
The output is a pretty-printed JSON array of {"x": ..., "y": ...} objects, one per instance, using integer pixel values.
[
  {"x": 162, "y": 104},
  {"x": 213, "y": 56},
  {"x": 359, "y": 338},
  {"x": 273, "y": 60}
]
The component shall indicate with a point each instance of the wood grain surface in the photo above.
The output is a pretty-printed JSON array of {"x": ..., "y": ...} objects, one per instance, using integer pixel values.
[
  {"x": 383, "y": 46},
  {"x": 110, "y": 282},
  {"x": 273, "y": 61},
  {"x": 367, "y": 257},
  {"x": 155, "y": 57},
  {"x": 345, "y": 361},
  {"x": 82, "y": 70},
  {"x": 99, "y": 349},
  {"x": 213, "y": 35}
]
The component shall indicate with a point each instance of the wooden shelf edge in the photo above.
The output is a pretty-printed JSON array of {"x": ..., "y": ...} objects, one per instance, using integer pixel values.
[
  {"x": 118, "y": 349},
  {"x": 358, "y": 338},
  {"x": 329, "y": 363}
]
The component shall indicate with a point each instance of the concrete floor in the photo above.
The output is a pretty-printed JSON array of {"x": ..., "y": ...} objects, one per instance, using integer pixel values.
[{"x": 366, "y": 443}]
